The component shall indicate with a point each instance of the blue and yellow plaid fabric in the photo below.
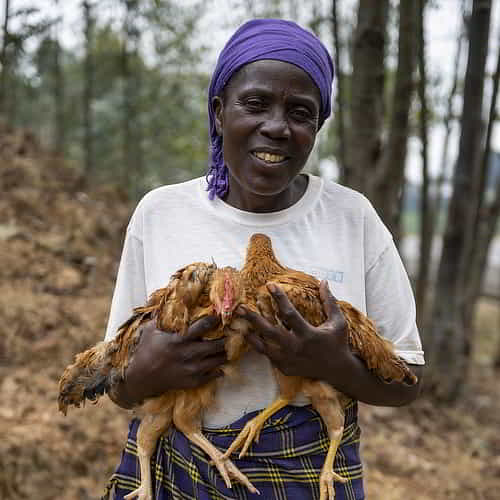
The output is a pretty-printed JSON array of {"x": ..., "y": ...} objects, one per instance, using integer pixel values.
[{"x": 285, "y": 464}]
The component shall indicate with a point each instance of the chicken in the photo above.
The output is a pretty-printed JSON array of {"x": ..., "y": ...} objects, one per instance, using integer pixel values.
[
  {"x": 261, "y": 268},
  {"x": 194, "y": 291}
]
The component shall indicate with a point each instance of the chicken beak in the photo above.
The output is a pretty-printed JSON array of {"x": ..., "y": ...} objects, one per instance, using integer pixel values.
[{"x": 226, "y": 317}]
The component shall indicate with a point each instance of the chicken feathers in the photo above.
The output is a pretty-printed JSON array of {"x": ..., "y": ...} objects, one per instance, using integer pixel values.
[
  {"x": 194, "y": 291},
  {"x": 262, "y": 268}
]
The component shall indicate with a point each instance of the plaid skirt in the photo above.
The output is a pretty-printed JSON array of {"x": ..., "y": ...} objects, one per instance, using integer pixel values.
[{"x": 285, "y": 464}]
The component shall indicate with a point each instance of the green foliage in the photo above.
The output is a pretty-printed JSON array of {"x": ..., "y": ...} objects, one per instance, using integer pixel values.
[{"x": 169, "y": 119}]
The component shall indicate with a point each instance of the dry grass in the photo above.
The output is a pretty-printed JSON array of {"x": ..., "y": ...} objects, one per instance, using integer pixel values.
[
  {"x": 58, "y": 254},
  {"x": 487, "y": 324}
]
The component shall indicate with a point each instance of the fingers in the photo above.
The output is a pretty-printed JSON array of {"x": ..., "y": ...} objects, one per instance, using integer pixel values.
[
  {"x": 209, "y": 365},
  {"x": 201, "y": 372},
  {"x": 264, "y": 332},
  {"x": 330, "y": 306},
  {"x": 290, "y": 317},
  {"x": 201, "y": 327},
  {"x": 203, "y": 349},
  {"x": 332, "y": 310},
  {"x": 256, "y": 342},
  {"x": 258, "y": 322},
  {"x": 266, "y": 338}
]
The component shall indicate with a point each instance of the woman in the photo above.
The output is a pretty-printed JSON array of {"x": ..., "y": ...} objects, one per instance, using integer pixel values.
[{"x": 269, "y": 96}]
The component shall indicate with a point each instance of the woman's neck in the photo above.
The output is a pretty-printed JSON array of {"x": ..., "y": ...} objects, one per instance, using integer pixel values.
[{"x": 252, "y": 202}]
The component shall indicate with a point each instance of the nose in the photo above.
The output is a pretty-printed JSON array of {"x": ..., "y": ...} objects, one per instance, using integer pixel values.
[{"x": 275, "y": 124}]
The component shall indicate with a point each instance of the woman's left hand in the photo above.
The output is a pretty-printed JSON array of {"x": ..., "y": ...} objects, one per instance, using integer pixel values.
[{"x": 298, "y": 348}]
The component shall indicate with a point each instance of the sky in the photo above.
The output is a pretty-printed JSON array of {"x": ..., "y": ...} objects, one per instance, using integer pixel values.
[{"x": 442, "y": 25}]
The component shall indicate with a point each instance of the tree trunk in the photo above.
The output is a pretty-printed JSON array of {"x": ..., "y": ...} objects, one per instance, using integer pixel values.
[
  {"x": 486, "y": 219},
  {"x": 59, "y": 128},
  {"x": 447, "y": 123},
  {"x": 132, "y": 129},
  {"x": 387, "y": 182},
  {"x": 367, "y": 93},
  {"x": 316, "y": 17},
  {"x": 450, "y": 348},
  {"x": 4, "y": 59},
  {"x": 138, "y": 128},
  {"x": 88, "y": 92},
  {"x": 339, "y": 114},
  {"x": 127, "y": 101},
  {"x": 479, "y": 243},
  {"x": 426, "y": 212}
]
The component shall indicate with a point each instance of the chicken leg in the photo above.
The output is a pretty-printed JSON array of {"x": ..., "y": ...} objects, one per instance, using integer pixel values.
[
  {"x": 251, "y": 431},
  {"x": 150, "y": 429},
  {"x": 226, "y": 468},
  {"x": 327, "y": 403}
]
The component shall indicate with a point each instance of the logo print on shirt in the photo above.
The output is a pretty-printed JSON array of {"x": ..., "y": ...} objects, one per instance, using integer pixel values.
[{"x": 326, "y": 274}]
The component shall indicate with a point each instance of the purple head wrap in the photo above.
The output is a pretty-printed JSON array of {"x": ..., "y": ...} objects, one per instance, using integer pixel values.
[{"x": 265, "y": 39}]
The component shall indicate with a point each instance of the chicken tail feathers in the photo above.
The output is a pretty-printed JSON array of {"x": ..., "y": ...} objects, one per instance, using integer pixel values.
[
  {"x": 88, "y": 378},
  {"x": 377, "y": 352}
]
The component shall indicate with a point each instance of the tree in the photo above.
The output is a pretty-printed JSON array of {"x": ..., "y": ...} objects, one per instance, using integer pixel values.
[
  {"x": 12, "y": 51},
  {"x": 427, "y": 220},
  {"x": 486, "y": 217},
  {"x": 132, "y": 157},
  {"x": 367, "y": 91},
  {"x": 3, "y": 55},
  {"x": 339, "y": 115},
  {"x": 88, "y": 92},
  {"x": 449, "y": 339},
  {"x": 387, "y": 182},
  {"x": 59, "y": 121},
  {"x": 449, "y": 114}
]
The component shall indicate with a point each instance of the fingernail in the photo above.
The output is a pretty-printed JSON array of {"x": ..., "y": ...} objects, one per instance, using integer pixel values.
[{"x": 272, "y": 287}]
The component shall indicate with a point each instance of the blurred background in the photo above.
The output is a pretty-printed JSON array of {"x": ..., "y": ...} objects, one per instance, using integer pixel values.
[{"x": 101, "y": 101}]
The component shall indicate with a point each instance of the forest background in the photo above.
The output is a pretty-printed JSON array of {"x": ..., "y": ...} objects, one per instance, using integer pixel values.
[{"x": 102, "y": 101}]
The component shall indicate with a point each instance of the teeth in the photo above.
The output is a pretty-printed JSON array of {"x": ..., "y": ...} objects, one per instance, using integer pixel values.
[{"x": 271, "y": 158}]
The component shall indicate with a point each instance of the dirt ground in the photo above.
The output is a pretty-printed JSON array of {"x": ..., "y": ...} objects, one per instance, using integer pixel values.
[{"x": 59, "y": 246}]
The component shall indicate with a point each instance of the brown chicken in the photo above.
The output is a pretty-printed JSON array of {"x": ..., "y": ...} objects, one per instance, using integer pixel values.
[
  {"x": 195, "y": 291},
  {"x": 262, "y": 267}
]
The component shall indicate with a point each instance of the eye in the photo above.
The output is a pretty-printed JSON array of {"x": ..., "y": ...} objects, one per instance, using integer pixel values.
[
  {"x": 255, "y": 104},
  {"x": 301, "y": 114}
]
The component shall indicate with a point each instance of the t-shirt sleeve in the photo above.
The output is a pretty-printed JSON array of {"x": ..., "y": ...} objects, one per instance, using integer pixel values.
[
  {"x": 130, "y": 287},
  {"x": 391, "y": 305}
]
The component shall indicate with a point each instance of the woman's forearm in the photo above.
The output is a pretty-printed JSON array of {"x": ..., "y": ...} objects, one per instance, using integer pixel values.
[
  {"x": 354, "y": 379},
  {"x": 120, "y": 395}
]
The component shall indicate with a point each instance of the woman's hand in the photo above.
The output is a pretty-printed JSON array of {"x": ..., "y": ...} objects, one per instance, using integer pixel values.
[
  {"x": 323, "y": 352},
  {"x": 300, "y": 348},
  {"x": 165, "y": 361}
]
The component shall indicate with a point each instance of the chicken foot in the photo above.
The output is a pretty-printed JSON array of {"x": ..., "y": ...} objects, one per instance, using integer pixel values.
[
  {"x": 226, "y": 468},
  {"x": 150, "y": 429},
  {"x": 328, "y": 476},
  {"x": 251, "y": 431},
  {"x": 332, "y": 413}
]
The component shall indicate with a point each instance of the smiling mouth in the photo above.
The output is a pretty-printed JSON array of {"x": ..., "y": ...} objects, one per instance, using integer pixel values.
[{"x": 270, "y": 158}]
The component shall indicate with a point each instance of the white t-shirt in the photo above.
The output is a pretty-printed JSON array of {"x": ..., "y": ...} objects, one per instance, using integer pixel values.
[{"x": 332, "y": 232}]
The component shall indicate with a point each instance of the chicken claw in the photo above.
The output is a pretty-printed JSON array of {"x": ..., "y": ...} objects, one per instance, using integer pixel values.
[
  {"x": 249, "y": 434},
  {"x": 141, "y": 493},
  {"x": 226, "y": 468},
  {"x": 326, "y": 488},
  {"x": 251, "y": 431}
]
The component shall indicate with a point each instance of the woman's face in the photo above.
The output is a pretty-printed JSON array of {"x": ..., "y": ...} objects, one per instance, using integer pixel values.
[{"x": 268, "y": 118}]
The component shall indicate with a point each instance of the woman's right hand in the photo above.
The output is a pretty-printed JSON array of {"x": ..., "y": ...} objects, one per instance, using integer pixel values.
[{"x": 165, "y": 361}]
